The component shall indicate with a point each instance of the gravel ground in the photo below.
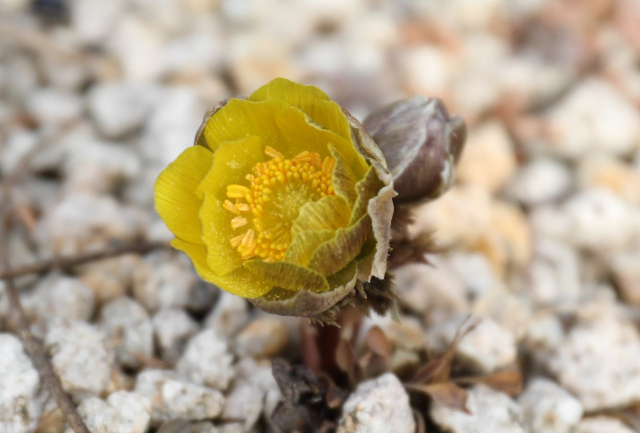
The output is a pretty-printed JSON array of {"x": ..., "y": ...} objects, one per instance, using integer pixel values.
[{"x": 541, "y": 232}]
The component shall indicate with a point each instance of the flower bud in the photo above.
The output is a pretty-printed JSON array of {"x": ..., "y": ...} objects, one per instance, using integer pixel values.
[{"x": 421, "y": 145}]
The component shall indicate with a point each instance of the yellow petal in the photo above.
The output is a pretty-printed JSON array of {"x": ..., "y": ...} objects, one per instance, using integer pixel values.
[
  {"x": 288, "y": 275},
  {"x": 310, "y": 100},
  {"x": 231, "y": 163},
  {"x": 241, "y": 282},
  {"x": 366, "y": 188},
  {"x": 329, "y": 213},
  {"x": 335, "y": 254},
  {"x": 175, "y": 193},
  {"x": 222, "y": 257},
  {"x": 281, "y": 126},
  {"x": 342, "y": 178},
  {"x": 305, "y": 244}
]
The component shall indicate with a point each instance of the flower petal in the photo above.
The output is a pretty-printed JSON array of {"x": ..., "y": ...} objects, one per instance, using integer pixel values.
[
  {"x": 279, "y": 125},
  {"x": 335, "y": 254},
  {"x": 241, "y": 282},
  {"x": 304, "y": 303},
  {"x": 305, "y": 244},
  {"x": 329, "y": 213},
  {"x": 175, "y": 193},
  {"x": 310, "y": 100},
  {"x": 288, "y": 275},
  {"x": 366, "y": 188},
  {"x": 231, "y": 163},
  {"x": 222, "y": 257},
  {"x": 342, "y": 178}
]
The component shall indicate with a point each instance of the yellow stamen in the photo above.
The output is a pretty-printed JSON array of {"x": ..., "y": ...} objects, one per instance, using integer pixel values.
[
  {"x": 237, "y": 191},
  {"x": 278, "y": 189},
  {"x": 238, "y": 222},
  {"x": 270, "y": 151}
]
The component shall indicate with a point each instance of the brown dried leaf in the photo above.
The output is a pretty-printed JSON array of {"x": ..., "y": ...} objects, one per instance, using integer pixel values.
[
  {"x": 439, "y": 369},
  {"x": 421, "y": 426},
  {"x": 508, "y": 382},
  {"x": 309, "y": 347},
  {"x": 346, "y": 359},
  {"x": 447, "y": 394},
  {"x": 379, "y": 343}
]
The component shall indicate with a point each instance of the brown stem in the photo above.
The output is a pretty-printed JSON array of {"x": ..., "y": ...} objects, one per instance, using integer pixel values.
[
  {"x": 32, "y": 345},
  {"x": 61, "y": 263}
]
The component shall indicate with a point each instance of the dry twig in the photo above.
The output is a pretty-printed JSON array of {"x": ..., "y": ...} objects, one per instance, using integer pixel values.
[
  {"x": 32, "y": 345},
  {"x": 62, "y": 263}
]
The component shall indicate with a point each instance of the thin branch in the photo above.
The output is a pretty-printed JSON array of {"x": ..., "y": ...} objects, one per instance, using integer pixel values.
[
  {"x": 63, "y": 263},
  {"x": 32, "y": 345}
]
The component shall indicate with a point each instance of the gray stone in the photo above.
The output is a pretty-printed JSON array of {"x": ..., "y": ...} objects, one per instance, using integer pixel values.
[
  {"x": 129, "y": 331},
  {"x": 377, "y": 406},
  {"x": 80, "y": 356},
  {"x": 547, "y": 408},
  {"x": 207, "y": 361},
  {"x": 20, "y": 408},
  {"x": 490, "y": 412},
  {"x": 123, "y": 412},
  {"x": 173, "y": 328},
  {"x": 173, "y": 398}
]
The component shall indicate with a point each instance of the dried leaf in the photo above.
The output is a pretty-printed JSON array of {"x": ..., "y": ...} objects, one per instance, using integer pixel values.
[
  {"x": 508, "y": 382},
  {"x": 379, "y": 343},
  {"x": 334, "y": 396},
  {"x": 447, "y": 394},
  {"x": 439, "y": 369},
  {"x": 346, "y": 359},
  {"x": 309, "y": 347},
  {"x": 421, "y": 426}
]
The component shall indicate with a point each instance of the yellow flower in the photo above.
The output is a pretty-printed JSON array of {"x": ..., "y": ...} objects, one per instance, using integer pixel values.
[{"x": 284, "y": 199}]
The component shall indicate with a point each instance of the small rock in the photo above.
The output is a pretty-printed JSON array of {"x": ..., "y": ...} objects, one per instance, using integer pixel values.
[
  {"x": 593, "y": 117},
  {"x": 244, "y": 402},
  {"x": 54, "y": 107},
  {"x": 59, "y": 297},
  {"x": 138, "y": 45},
  {"x": 554, "y": 273},
  {"x": 626, "y": 272},
  {"x": 120, "y": 109},
  {"x": 93, "y": 22},
  {"x": 112, "y": 278},
  {"x": 263, "y": 337},
  {"x": 166, "y": 279},
  {"x": 488, "y": 159},
  {"x": 487, "y": 348},
  {"x": 547, "y": 408},
  {"x": 539, "y": 181},
  {"x": 490, "y": 412},
  {"x": 542, "y": 336},
  {"x": 80, "y": 356},
  {"x": 82, "y": 221},
  {"x": 377, "y": 406},
  {"x": 173, "y": 328},
  {"x": 432, "y": 290},
  {"x": 607, "y": 172},
  {"x": 229, "y": 315},
  {"x": 20, "y": 409},
  {"x": 99, "y": 167},
  {"x": 172, "y": 398},
  {"x": 598, "y": 361},
  {"x": 129, "y": 331},
  {"x": 602, "y": 424},
  {"x": 17, "y": 145},
  {"x": 123, "y": 412},
  {"x": 207, "y": 361}
]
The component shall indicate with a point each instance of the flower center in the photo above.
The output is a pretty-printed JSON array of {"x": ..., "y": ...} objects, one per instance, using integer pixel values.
[{"x": 278, "y": 189}]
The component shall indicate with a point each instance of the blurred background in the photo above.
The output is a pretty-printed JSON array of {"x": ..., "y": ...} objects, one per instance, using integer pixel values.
[{"x": 541, "y": 233}]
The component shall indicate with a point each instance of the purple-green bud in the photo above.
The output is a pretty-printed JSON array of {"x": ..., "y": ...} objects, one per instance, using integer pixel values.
[{"x": 421, "y": 145}]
